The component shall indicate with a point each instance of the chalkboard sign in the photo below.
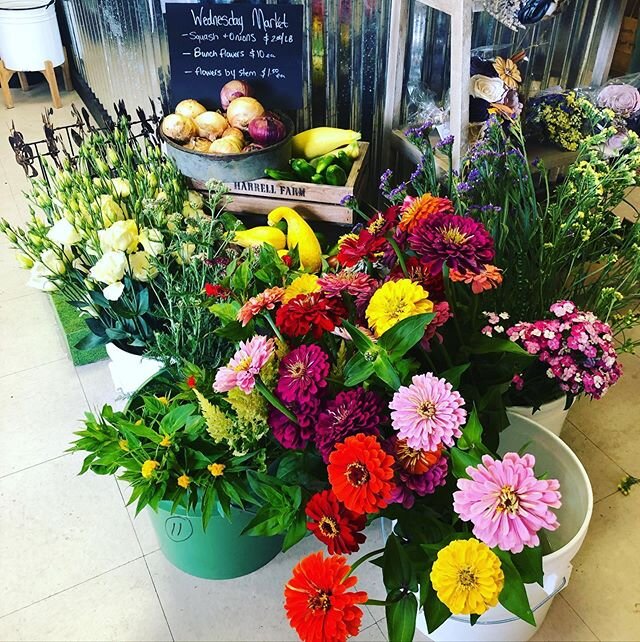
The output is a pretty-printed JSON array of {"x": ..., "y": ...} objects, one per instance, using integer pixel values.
[{"x": 211, "y": 44}]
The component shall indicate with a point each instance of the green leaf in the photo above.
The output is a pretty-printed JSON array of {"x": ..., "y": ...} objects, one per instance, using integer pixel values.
[
  {"x": 140, "y": 430},
  {"x": 514, "y": 596},
  {"x": 226, "y": 312},
  {"x": 143, "y": 301},
  {"x": 462, "y": 459},
  {"x": 529, "y": 564},
  {"x": 483, "y": 344},
  {"x": 360, "y": 340},
  {"x": 177, "y": 418},
  {"x": 473, "y": 618},
  {"x": 209, "y": 501},
  {"x": 453, "y": 375},
  {"x": 91, "y": 341},
  {"x": 357, "y": 370},
  {"x": 234, "y": 331},
  {"x": 383, "y": 367},
  {"x": 399, "y": 339},
  {"x": 398, "y": 572},
  {"x": 296, "y": 531},
  {"x": 401, "y": 618},
  {"x": 472, "y": 432},
  {"x": 241, "y": 277},
  {"x": 435, "y": 611}
]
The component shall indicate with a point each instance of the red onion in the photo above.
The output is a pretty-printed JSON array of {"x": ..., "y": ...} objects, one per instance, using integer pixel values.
[
  {"x": 267, "y": 130},
  {"x": 234, "y": 89},
  {"x": 253, "y": 147}
]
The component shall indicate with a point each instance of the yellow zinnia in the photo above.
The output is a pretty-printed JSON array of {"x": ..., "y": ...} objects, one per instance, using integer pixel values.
[
  {"x": 394, "y": 301},
  {"x": 467, "y": 576},
  {"x": 305, "y": 284},
  {"x": 148, "y": 468}
]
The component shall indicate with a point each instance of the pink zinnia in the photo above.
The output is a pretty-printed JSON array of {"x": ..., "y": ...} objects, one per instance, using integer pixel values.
[
  {"x": 245, "y": 365},
  {"x": 353, "y": 283},
  {"x": 506, "y": 503},
  {"x": 266, "y": 300},
  {"x": 427, "y": 413},
  {"x": 303, "y": 374}
]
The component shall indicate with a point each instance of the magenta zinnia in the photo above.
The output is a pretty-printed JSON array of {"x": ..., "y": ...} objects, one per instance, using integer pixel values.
[
  {"x": 295, "y": 435},
  {"x": 245, "y": 366},
  {"x": 506, "y": 503},
  {"x": 427, "y": 413},
  {"x": 302, "y": 374},
  {"x": 459, "y": 242},
  {"x": 353, "y": 411}
]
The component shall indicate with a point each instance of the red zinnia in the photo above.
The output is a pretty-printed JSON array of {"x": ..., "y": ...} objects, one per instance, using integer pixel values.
[
  {"x": 191, "y": 381},
  {"x": 318, "y": 603},
  {"x": 364, "y": 246},
  {"x": 361, "y": 474},
  {"x": 309, "y": 312},
  {"x": 334, "y": 524},
  {"x": 216, "y": 290}
]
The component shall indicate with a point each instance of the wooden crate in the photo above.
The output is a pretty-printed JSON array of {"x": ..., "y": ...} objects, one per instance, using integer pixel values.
[{"x": 315, "y": 202}]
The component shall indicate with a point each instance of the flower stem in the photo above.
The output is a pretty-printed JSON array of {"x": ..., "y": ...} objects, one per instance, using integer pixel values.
[
  {"x": 277, "y": 332},
  {"x": 275, "y": 402},
  {"x": 364, "y": 558},
  {"x": 396, "y": 249}
]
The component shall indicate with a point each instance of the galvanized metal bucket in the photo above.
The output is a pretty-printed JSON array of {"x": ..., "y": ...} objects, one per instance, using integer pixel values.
[{"x": 231, "y": 168}]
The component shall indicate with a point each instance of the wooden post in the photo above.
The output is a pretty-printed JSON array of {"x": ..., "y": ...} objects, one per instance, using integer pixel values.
[
  {"x": 24, "y": 83},
  {"x": 5, "y": 77},
  {"x": 50, "y": 74},
  {"x": 66, "y": 72}
]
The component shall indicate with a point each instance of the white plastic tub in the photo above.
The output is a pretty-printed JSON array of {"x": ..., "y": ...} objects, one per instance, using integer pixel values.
[
  {"x": 551, "y": 415},
  {"x": 29, "y": 35},
  {"x": 129, "y": 371},
  {"x": 555, "y": 458}
]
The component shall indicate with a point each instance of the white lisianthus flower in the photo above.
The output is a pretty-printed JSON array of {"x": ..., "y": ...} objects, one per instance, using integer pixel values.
[
  {"x": 110, "y": 210},
  {"x": 24, "y": 261},
  {"x": 490, "y": 89},
  {"x": 114, "y": 291},
  {"x": 185, "y": 253},
  {"x": 38, "y": 278},
  {"x": 121, "y": 236},
  {"x": 53, "y": 262},
  {"x": 110, "y": 268},
  {"x": 121, "y": 187},
  {"x": 78, "y": 264},
  {"x": 63, "y": 233},
  {"x": 151, "y": 240},
  {"x": 141, "y": 268}
]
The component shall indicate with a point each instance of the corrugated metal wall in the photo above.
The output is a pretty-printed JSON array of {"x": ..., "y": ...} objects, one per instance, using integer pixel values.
[{"x": 120, "y": 49}]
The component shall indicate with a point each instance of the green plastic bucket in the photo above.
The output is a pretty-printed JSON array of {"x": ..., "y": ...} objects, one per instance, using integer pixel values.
[{"x": 219, "y": 553}]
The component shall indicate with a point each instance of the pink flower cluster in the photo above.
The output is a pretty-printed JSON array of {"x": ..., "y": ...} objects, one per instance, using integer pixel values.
[{"x": 577, "y": 348}]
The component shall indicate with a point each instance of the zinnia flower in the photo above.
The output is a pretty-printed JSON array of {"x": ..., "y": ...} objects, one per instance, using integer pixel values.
[
  {"x": 303, "y": 374},
  {"x": 215, "y": 290},
  {"x": 318, "y": 602},
  {"x": 352, "y": 249},
  {"x": 245, "y": 365},
  {"x": 506, "y": 503},
  {"x": 467, "y": 577},
  {"x": 419, "y": 273},
  {"x": 304, "y": 284},
  {"x": 443, "y": 314},
  {"x": 459, "y": 242},
  {"x": 428, "y": 412},
  {"x": 353, "y": 411},
  {"x": 381, "y": 222},
  {"x": 414, "y": 210},
  {"x": 309, "y": 313},
  {"x": 332, "y": 523},
  {"x": 292, "y": 435},
  {"x": 361, "y": 473},
  {"x": 489, "y": 277},
  {"x": 266, "y": 300},
  {"x": 353, "y": 283},
  {"x": 394, "y": 301}
]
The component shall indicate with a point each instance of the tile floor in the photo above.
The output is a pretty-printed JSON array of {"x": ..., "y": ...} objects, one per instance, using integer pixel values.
[{"x": 75, "y": 565}]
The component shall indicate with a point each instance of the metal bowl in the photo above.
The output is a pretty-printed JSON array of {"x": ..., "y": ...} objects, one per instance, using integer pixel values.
[{"x": 231, "y": 168}]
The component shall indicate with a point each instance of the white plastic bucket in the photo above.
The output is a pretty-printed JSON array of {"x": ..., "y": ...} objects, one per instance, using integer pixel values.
[
  {"x": 556, "y": 459},
  {"x": 129, "y": 371},
  {"x": 551, "y": 415},
  {"x": 29, "y": 35}
]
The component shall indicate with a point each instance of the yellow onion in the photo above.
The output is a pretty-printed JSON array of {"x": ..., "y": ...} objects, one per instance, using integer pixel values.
[
  {"x": 232, "y": 90},
  {"x": 228, "y": 145},
  {"x": 189, "y": 108},
  {"x": 199, "y": 144},
  {"x": 242, "y": 111},
  {"x": 234, "y": 132},
  {"x": 178, "y": 128},
  {"x": 267, "y": 130},
  {"x": 211, "y": 124}
]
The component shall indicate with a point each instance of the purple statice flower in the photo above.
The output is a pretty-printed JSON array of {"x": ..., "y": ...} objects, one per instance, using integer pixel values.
[
  {"x": 352, "y": 411},
  {"x": 302, "y": 374},
  {"x": 397, "y": 191},
  {"x": 417, "y": 172},
  {"x": 349, "y": 201},
  {"x": 459, "y": 242},
  {"x": 422, "y": 131},
  {"x": 447, "y": 141},
  {"x": 385, "y": 177},
  {"x": 576, "y": 347}
]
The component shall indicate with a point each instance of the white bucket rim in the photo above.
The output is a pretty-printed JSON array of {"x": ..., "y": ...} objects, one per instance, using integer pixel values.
[
  {"x": 549, "y": 405},
  {"x": 582, "y": 531}
]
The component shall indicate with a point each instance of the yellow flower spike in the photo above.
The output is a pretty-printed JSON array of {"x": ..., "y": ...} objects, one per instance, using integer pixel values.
[
  {"x": 166, "y": 441},
  {"x": 217, "y": 470},
  {"x": 149, "y": 467},
  {"x": 300, "y": 235},
  {"x": 259, "y": 235},
  {"x": 184, "y": 481}
]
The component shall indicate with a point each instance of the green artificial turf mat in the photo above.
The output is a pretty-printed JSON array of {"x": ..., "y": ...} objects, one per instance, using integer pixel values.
[{"x": 75, "y": 329}]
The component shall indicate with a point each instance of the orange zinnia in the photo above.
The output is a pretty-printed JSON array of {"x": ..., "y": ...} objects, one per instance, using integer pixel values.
[
  {"x": 414, "y": 210},
  {"x": 490, "y": 277},
  {"x": 318, "y": 603},
  {"x": 266, "y": 300},
  {"x": 361, "y": 474}
]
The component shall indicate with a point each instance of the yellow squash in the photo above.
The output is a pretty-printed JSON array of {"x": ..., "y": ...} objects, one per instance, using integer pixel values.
[
  {"x": 259, "y": 235},
  {"x": 321, "y": 140},
  {"x": 299, "y": 234}
]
